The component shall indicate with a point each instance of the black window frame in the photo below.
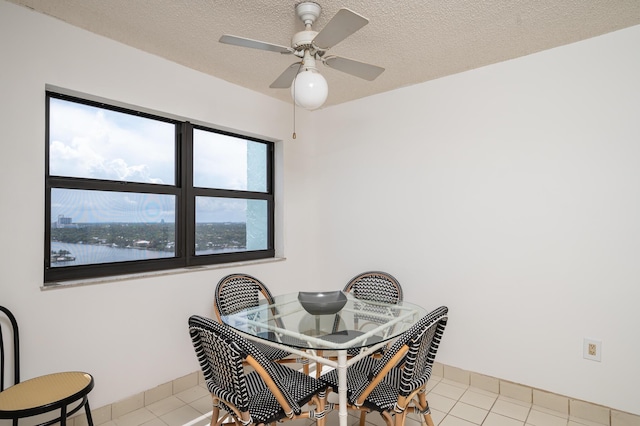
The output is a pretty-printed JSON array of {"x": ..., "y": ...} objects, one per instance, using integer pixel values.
[{"x": 183, "y": 190}]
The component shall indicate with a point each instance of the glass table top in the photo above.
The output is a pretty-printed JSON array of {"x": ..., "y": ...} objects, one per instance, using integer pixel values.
[{"x": 359, "y": 323}]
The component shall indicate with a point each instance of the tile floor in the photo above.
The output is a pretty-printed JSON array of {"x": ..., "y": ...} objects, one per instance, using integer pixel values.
[{"x": 452, "y": 404}]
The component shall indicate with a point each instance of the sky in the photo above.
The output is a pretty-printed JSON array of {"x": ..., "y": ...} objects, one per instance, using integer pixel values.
[{"x": 91, "y": 142}]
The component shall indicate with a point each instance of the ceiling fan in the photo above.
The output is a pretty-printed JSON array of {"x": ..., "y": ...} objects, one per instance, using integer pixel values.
[{"x": 308, "y": 87}]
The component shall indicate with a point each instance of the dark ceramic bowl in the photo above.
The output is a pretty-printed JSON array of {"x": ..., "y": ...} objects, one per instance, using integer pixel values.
[{"x": 322, "y": 302}]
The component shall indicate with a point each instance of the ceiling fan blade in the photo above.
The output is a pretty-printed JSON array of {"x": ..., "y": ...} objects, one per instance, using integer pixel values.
[
  {"x": 359, "y": 69},
  {"x": 341, "y": 26},
  {"x": 254, "y": 44},
  {"x": 286, "y": 78}
]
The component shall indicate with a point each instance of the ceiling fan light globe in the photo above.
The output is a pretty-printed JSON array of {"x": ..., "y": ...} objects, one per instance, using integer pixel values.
[{"x": 309, "y": 90}]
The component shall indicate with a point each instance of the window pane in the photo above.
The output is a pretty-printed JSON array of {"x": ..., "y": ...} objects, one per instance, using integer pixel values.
[
  {"x": 89, "y": 227},
  {"x": 97, "y": 143},
  {"x": 229, "y": 225},
  {"x": 227, "y": 162}
]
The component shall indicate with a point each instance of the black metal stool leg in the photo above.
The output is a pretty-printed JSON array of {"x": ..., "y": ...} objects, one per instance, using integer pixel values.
[
  {"x": 88, "y": 411},
  {"x": 63, "y": 415}
]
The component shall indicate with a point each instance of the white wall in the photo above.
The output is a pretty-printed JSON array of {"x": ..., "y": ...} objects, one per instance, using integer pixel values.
[
  {"x": 131, "y": 335},
  {"x": 509, "y": 193}
]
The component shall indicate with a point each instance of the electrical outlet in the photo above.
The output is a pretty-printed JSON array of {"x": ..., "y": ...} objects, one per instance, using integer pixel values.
[{"x": 592, "y": 349}]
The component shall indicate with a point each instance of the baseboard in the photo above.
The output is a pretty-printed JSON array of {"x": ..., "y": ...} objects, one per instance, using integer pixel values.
[{"x": 573, "y": 408}]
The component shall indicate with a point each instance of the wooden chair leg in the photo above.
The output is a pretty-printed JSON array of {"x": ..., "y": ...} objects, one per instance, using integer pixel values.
[
  {"x": 423, "y": 404},
  {"x": 428, "y": 419},
  {"x": 363, "y": 417},
  {"x": 321, "y": 407},
  {"x": 318, "y": 365},
  {"x": 215, "y": 412},
  {"x": 400, "y": 418}
]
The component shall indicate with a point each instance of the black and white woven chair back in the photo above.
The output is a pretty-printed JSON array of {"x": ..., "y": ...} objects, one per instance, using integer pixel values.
[
  {"x": 221, "y": 353},
  {"x": 375, "y": 285},
  {"x": 423, "y": 347},
  {"x": 221, "y": 360},
  {"x": 423, "y": 340},
  {"x": 239, "y": 291}
]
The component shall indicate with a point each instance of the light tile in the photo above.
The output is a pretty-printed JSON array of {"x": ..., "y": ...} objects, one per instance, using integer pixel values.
[
  {"x": 515, "y": 401},
  {"x": 437, "y": 370},
  {"x": 494, "y": 419},
  {"x": 618, "y": 418},
  {"x": 455, "y": 421},
  {"x": 135, "y": 418},
  {"x": 180, "y": 416},
  {"x": 165, "y": 406},
  {"x": 154, "y": 422},
  {"x": 192, "y": 394},
  {"x": 440, "y": 403},
  {"x": 548, "y": 411},
  {"x": 539, "y": 418},
  {"x": 477, "y": 399},
  {"x": 484, "y": 392},
  {"x": 584, "y": 422},
  {"x": 412, "y": 420},
  {"x": 100, "y": 416},
  {"x": 133, "y": 403},
  {"x": 454, "y": 383},
  {"x": 551, "y": 401},
  {"x": 510, "y": 409},
  {"x": 448, "y": 390},
  {"x": 487, "y": 383},
  {"x": 433, "y": 381},
  {"x": 468, "y": 412},
  {"x": 159, "y": 392},
  {"x": 456, "y": 374},
  {"x": 515, "y": 391},
  {"x": 201, "y": 378},
  {"x": 185, "y": 382},
  {"x": 437, "y": 416},
  {"x": 203, "y": 405},
  {"x": 589, "y": 411}
]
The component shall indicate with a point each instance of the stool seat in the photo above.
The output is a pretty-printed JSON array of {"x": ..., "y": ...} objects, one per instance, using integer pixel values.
[
  {"x": 57, "y": 391},
  {"x": 46, "y": 393}
]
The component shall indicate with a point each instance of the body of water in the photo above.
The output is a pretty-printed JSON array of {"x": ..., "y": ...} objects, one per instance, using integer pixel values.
[{"x": 87, "y": 254}]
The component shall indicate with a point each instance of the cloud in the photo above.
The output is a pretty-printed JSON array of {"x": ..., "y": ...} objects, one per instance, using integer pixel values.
[{"x": 90, "y": 142}]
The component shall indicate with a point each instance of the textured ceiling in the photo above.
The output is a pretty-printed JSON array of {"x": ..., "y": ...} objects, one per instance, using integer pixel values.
[{"x": 414, "y": 40}]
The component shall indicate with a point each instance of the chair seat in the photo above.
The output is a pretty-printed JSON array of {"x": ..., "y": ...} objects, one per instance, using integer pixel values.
[
  {"x": 383, "y": 397},
  {"x": 263, "y": 405},
  {"x": 43, "y": 394}
]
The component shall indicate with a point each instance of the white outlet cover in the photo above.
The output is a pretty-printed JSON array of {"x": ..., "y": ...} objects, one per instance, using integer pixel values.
[{"x": 585, "y": 349}]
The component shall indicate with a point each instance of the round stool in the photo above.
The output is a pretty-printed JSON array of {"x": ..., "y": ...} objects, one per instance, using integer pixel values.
[{"x": 47, "y": 393}]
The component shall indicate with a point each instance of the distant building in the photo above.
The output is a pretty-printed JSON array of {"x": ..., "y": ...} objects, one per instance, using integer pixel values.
[
  {"x": 141, "y": 243},
  {"x": 63, "y": 221}
]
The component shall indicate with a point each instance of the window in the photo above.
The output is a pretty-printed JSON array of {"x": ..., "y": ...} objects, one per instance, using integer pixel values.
[{"x": 128, "y": 192}]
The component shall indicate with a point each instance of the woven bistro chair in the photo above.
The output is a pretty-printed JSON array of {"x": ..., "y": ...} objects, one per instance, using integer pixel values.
[
  {"x": 270, "y": 393},
  {"x": 371, "y": 286},
  {"x": 64, "y": 392},
  {"x": 394, "y": 385},
  {"x": 376, "y": 286},
  {"x": 236, "y": 292}
]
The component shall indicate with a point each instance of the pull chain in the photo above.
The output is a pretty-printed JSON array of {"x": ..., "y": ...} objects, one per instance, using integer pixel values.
[{"x": 294, "y": 114}]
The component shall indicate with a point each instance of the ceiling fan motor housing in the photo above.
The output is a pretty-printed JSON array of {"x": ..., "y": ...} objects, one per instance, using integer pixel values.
[
  {"x": 308, "y": 12},
  {"x": 303, "y": 40}
]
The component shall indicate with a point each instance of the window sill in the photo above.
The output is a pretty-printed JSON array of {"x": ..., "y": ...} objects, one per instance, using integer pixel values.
[{"x": 191, "y": 269}]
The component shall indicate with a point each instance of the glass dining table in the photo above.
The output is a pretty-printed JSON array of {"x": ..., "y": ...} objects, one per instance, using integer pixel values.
[{"x": 359, "y": 329}]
